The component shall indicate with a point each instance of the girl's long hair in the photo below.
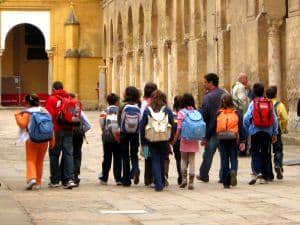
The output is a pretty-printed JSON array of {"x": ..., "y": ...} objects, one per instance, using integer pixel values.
[
  {"x": 132, "y": 95},
  {"x": 226, "y": 101},
  {"x": 158, "y": 100},
  {"x": 187, "y": 100}
]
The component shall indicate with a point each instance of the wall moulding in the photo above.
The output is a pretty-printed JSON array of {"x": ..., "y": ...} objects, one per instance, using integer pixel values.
[
  {"x": 294, "y": 8},
  {"x": 252, "y": 9}
]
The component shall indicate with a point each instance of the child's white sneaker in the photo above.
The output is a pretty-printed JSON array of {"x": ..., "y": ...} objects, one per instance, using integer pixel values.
[{"x": 30, "y": 184}]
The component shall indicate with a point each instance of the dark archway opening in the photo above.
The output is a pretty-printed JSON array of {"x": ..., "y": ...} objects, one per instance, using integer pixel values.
[{"x": 24, "y": 65}]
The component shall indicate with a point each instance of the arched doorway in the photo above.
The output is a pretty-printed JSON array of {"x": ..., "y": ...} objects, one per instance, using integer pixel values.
[{"x": 24, "y": 64}]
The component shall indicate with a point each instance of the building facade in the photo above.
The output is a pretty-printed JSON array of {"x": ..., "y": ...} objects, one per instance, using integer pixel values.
[
  {"x": 175, "y": 42},
  {"x": 46, "y": 40},
  {"x": 111, "y": 44}
]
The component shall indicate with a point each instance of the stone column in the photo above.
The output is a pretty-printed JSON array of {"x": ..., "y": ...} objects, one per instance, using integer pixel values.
[
  {"x": 50, "y": 70},
  {"x": 154, "y": 64},
  {"x": 142, "y": 68},
  {"x": 102, "y": 87},
  {"x": 109, "y": 77},
  {"x": 274, "y": 57},
  {"x": 1, "y": 53},
  {"x": 193, "y": 68},
  {"x": 169, "y": 80},
  {"x": 148, "y": 64},
  {"x": 129, "y": 68}
]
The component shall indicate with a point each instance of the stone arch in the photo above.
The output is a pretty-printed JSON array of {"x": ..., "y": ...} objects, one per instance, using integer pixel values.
[
  {"x": 120, "y": 68},
  {"x": 120, "y": 32},
  {"x": 179, "y": 21},
  {"x": 203, "y": 11},
  {"x": 154, "y": 23},
  {"x": 130, "y": 29},
  {"x": 39, "y": 19},
  {"x": 182, "y": 50},
  {"x": 187, "y": 16},
  {"x": 25, "y": 59},
  {"x": 111, "y": 44},
  {"x": 105, "y": 42},
  {"x": 141, "y": 26},
  {"x": 169, "y": 19},
  {"x": 197, "y": 19}
]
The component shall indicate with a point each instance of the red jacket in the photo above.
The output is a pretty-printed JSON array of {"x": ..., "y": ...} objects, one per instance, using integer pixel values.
[{"x": 52, "y": 107}]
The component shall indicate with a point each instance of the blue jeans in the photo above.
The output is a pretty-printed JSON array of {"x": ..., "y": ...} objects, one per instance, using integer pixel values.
[
  {"x": 261, "y": 155},
  {"x": 64, "y": 144},
  {"x": 159, "y": 151},
  {"x": 129, "y": 148},
  {"x": 229, "y": 152},
  {"x": 207, "y": 157}
]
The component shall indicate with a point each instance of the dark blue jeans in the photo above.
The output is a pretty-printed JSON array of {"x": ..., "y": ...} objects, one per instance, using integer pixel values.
[
  {"x": 207, "y": 157},
  {"x": 64, "y": 144},
  {"x": 159, "y": 151},
  {"x": 229, "y": 153},
  {"x": 112, "y": 150},
  {"x": 77, "y": 154},
  {"x": 278, "y": 151},
  {"x": 261, "y": 155},
  {"x": 148, "y": 176},
  {"x": 129, "y": 147}
]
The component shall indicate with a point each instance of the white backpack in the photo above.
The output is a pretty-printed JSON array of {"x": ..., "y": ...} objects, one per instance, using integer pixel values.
[{"x": 158, "y": 127}]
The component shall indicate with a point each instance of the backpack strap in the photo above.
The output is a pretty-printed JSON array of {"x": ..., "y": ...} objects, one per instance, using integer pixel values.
[{"x": 276, "y": 106}]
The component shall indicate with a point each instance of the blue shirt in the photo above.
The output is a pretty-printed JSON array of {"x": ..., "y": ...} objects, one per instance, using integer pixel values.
[{"x": 252, "y": 129}]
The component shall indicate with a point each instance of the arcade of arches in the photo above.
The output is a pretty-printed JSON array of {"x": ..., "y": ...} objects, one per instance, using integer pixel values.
[
  {"x": 175, "y": 42},
  {"x": 171, "y": 42}
]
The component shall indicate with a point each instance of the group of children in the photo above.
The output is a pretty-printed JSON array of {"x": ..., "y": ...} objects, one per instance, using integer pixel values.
[
  {"x": 183, "y": 132},
  {"x": 158, "y": 131}
]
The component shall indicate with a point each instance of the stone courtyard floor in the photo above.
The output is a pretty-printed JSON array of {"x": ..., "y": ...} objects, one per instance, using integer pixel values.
[{"x": 274, "y": 203}]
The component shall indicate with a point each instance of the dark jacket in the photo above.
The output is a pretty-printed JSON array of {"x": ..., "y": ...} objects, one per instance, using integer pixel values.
[
  {"x": 211, "y": 105},
  {"x": 144, "y": 123}
]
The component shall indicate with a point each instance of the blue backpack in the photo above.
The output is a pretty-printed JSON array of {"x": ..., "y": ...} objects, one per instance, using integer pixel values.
[
  {"x": 130, "y": 119},
  {"x": 41, "y": 127},
  {"x": 193, "y": 126}
]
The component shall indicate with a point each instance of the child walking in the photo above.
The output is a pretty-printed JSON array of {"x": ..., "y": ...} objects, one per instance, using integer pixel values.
[
  {"x": 189, "y": 143},
  {"x": 156, "y": 132},
  {"x": 231, "y": 135},
  {"x": 282, "y": 117},
  {"x": 148, "y": 90},
  {"x": 261, "y": 123},
  {"x": 176, "y": 146},
  {"x": 36, "y": 143},
  {"x": 129, "y": 121},
  {"x": 111, "y": 140}
]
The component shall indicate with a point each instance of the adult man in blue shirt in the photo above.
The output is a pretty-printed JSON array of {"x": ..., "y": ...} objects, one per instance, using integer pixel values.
[{"x": 211, "y": 105}]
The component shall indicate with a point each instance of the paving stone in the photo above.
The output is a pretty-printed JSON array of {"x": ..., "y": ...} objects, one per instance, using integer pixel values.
[{"x": 274, "y": 203}]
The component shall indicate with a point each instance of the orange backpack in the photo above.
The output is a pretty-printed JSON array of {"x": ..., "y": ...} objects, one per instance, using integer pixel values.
[{"x": 227, "y": 124}]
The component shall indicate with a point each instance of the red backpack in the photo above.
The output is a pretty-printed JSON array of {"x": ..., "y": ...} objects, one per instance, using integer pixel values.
[
  {"x": 69, "y": 111},
  {"x": 263, "y": 115}
]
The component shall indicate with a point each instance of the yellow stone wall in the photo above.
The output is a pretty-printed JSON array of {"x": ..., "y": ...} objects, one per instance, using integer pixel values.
[
  {"x": 89, "y": 15},
  {"x": 259, "y": 37}
]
